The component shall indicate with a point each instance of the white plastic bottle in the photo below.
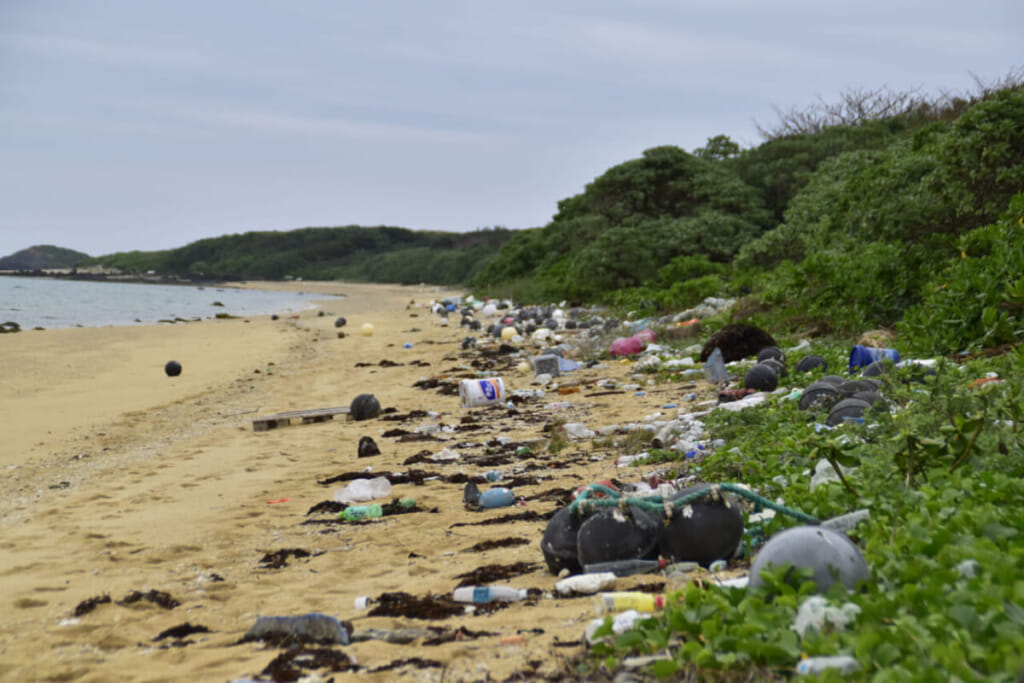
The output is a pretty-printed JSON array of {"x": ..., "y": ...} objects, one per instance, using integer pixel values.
[
  {"x": 816, "y": 665},
  {"x": 485, "y": 594}
]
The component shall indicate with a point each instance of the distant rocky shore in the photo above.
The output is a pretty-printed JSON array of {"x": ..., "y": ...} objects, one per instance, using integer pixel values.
[{"x": 117, "y": 276}]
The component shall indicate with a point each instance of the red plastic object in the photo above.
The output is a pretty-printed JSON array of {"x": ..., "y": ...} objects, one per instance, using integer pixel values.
[
  {"x": 646, "y": 335},
  {"x": 625, "y": 346}
]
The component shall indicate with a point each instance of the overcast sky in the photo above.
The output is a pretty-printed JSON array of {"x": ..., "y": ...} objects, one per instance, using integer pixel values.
[{"x": 149, "y": 124}]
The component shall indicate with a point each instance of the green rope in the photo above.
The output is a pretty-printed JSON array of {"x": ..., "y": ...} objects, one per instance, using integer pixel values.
[{"x": 656, "y": 505}]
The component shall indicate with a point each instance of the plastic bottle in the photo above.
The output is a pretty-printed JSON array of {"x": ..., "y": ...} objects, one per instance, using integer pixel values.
[
  {"x": 585, "y": 584},
  {"x": 625, "y": 567},
  {"x": 497, "y": 497},
  {"x": 355, "y": 513},
  {"x": 607, "y": 603},
  {"x": 363, "y": 602},
  {"x": 485, "y": 594},
  {"x": 493, "y": 475},
  {"x": 817, "y": 665},
  {"x": 714, "y": 368}
]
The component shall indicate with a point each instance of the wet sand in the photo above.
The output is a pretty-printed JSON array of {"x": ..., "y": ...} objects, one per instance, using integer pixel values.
[{"x": 117, "y": 478}]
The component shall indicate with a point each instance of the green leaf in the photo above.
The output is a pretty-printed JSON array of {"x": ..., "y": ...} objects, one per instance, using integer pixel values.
[{"x": 663, "y": 668}]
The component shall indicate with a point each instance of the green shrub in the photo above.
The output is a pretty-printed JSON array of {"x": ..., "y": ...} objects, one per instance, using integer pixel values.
[{"x": 977, "y": 300}]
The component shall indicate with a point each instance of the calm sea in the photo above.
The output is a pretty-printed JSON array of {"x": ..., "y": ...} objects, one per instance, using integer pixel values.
[{"x": 38, "y": 302}]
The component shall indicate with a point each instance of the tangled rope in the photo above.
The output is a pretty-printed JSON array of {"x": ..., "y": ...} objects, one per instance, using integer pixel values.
[{"x": 665, "y": 507}]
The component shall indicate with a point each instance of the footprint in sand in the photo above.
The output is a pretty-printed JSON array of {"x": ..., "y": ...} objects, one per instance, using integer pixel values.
[{"x": 28, "y": 603}]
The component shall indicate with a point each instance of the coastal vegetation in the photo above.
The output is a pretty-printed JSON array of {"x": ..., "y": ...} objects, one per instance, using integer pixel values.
[{"x": 883, "y": 209}]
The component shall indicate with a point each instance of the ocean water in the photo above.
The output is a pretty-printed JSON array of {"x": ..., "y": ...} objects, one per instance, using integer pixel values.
[{"x": 51, "y": 303}]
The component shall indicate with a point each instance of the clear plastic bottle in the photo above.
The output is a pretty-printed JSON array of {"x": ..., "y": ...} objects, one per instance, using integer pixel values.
[
  {"x": 485, "y": 594},
  {"x": 625, "y": 567},
  {"x": 816, "y": 665},
  {"x": 608, "y": 603},
  {"x": 357, "y": 512}
]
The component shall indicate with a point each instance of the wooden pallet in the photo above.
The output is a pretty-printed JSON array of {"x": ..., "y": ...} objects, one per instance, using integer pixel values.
[{"x": 262, "y": 424}]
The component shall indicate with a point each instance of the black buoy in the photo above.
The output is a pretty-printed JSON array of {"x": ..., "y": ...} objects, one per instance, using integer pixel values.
[
  {"x": 771, "y": 352},
  {"x": 819, "y": 395},
  {"x": 612, "y": 534},
  {"x": 808, "y": 363},
  {"x": 761, "y": 377},
  {"x": 703, "y": 531},
  {"x": 173, "y": 368},
  {"x": 368, "y": 447},
  {"x": 559, "y": 542},
  {"x": 340, "y": 322},
  {"x": 364, "y": 407},
  {"x": 775, "y": 364},
  {"x": 850, "y": 408}
]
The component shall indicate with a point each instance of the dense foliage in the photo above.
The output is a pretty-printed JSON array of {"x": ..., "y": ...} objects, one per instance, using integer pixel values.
[{"x": 940, "y": 472}]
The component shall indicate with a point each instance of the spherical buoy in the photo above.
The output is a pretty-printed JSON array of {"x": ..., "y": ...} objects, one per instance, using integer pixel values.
[
  {"x": 702, "y": 531},
  {"x": 611, "y": 534},
  {"x": 775, "y": 364},
  {"x": 508, "y": 332},
  {"x": 558, "y": 544},
  {"x": 364, "y": 407},
  {"x": 173, "y": 368},
  {"x": 829, "y": 554},
  {"x": 367, "y": 329},
  {"x": 771, "y": 352},
  {"x": 808, "y": 363},
  {"x": 852, "y": 408},
  {"x": 819, "y": 395},
  {"x": 761, "y": 377}
]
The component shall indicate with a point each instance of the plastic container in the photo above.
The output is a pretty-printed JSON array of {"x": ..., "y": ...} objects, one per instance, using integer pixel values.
[
  {"x": 714, "y": 368},
  {"x": 354, "y": 513},
  {"x": 585, "y": 584},
  {"x": 862, "y": 356},
  {"x": 625, "y": 567},
  {"x": 608, "y": 603},
  {"x": 476, "y": 393},
  {"x": 363, "y": 490},
  {"x": 816, "y": 665},
  {"x": 484, "y": 594}
]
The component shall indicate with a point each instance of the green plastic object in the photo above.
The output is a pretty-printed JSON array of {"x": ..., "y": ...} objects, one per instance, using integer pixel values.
[{"x": 355, "y": 513}]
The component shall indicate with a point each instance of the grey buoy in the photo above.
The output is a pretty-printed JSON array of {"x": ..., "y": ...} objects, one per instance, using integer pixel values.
[
  {"x": 364, "y": 407},
  {"x": 829, "y": 554},
  {"x": 173, "y": 368}
]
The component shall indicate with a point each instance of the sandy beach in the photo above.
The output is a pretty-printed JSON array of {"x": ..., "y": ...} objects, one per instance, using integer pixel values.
[{"x": 118, "y": 479}]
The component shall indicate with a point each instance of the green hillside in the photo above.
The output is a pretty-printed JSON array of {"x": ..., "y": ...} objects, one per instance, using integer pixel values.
[
  {"x": 42, "y": 257},
  {"x": 353, "y": 253}
]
